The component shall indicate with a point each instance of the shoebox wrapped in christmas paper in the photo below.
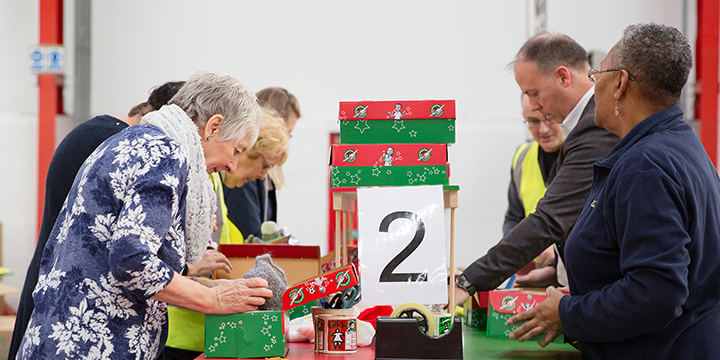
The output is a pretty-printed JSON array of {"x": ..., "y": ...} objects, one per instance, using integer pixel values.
[
  {"x": 397, "y": 122},
  {"x": 476, "y": 310},
  {"x": 301, "y": 310},
  {"x": 364, "y": 165},
  {"x": 327, "y": 283},
  {"x": 503, "y": 304},
  {"x": 254, "y": 334}
]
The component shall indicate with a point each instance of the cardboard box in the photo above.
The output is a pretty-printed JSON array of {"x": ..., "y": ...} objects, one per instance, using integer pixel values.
[
  {"x": 7, "y": 325},
  {"x": 299, "y": 262},
  {"x": 476, "y": 310},
  {"x": 438, "y": 131},
  {"x": 503, "y": 304},
  {"x": 397, "y": 122},
  {"x": 328, "y": 260},
  {"x": 327, "y": 283},
  {"x": 302, "y": 310},
  {"x": 408, "y": 109},
  {"x": 349, "y": 177},
  {"x": 386, "y": 155},
  {"x": 255, "y": 334},
  {"x": 443, "y": 323}
]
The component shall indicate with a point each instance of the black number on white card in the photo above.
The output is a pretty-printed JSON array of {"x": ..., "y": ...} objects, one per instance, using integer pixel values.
[{"x": 387, "y": 274}]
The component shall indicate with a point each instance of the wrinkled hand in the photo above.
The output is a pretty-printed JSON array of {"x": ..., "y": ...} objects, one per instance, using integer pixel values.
[
  {"x": 239, "y": 295},
  {"x": 211, "y": 260},
  {"x": 542, "y": 277},
  {"x": 210, "y": 283},
  {"x": 542, "y": 319}
]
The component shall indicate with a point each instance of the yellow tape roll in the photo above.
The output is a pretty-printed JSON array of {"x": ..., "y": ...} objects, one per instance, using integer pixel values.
[{"x": 426, "y": 320}]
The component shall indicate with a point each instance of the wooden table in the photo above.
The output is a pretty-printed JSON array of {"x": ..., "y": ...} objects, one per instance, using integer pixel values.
[{"x": 476, "y": 346}]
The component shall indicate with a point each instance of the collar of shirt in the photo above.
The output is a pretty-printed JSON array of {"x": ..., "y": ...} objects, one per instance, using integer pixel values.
[{"x": 572, "y": 119}]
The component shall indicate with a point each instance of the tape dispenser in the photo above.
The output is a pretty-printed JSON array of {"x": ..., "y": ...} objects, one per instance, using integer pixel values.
[{"x": 415, "y": 332}]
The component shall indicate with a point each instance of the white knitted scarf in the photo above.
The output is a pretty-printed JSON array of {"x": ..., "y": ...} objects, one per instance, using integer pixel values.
[{"x": 200, "y": 204}]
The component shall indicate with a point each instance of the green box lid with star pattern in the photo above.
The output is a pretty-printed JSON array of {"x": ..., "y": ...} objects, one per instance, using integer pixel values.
[{"x": 254, "y": 334}]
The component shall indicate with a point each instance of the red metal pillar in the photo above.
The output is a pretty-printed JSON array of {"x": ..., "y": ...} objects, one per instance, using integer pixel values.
[
  {"x": 50, "y": 96},
  {"x": 708, "y": 40}
]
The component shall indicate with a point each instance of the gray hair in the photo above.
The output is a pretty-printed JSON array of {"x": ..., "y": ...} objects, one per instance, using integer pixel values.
[
  {"x": 207, "y": 94},
  {"x": 548, "y": 51},
  {"x": 659, "y": 57}
]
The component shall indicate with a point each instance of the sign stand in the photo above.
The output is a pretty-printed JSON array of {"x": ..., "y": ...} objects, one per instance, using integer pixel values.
[{"x": 401, "y": 338}]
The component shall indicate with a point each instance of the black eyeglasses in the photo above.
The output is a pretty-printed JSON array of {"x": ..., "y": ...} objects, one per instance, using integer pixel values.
[
  {"x": 266, "y": 165},
  {"x": 534, "y": 124},
  {"x": 593, "y": 72}
]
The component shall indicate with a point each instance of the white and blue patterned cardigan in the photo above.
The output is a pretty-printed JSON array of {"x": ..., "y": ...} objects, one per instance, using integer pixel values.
[{"x": 117, "y": 242}]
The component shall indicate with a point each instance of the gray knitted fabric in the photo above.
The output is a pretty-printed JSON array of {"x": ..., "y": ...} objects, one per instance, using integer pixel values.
[{"x": 277, "y": 282}]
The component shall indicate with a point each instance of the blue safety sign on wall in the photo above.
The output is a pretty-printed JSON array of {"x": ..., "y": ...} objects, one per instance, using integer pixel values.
[
  {"x": 47, "y": 59},
  {"x": 55, "y": 56},
  {"x": 37, "y": 57}
]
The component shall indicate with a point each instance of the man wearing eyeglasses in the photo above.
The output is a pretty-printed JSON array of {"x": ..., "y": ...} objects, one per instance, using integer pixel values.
[{"x": 551, "y": 69}]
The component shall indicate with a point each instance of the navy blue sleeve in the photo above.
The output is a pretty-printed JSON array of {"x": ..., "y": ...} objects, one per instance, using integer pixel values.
[{"x": 245, "y": 208}]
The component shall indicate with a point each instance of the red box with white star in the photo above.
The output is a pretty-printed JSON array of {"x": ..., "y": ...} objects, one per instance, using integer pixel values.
[
  {"x": 364, "y": 165},
  {"x": 327, "y": 283},
  {"x": 397, "y": 109},
  {"x": 503, "y": 304},
  {"x": 382, "y": 155},
  {"x": 397, "y": 122}
]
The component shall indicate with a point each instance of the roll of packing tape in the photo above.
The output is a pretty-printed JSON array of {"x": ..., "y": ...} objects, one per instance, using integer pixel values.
[{"x": 426, "y": 320}]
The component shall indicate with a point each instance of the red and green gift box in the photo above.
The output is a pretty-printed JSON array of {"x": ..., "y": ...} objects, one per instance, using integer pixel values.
[
  {"x": 313, "y": 289},
  {"x": 503, "y": 304},
  {"x": 476, "y": 310},
  {"x": 397, "y": 122},
  {"x": 302, "y": 310},
  {"x": 365, "y": 165},
  {"x": 254, "y": 334}
]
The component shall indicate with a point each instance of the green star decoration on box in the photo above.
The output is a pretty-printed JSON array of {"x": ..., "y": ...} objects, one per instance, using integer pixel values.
[
  {"x": 409, "y": 131},
  {"x": 360, "y": 176},
  {"x": 255, "y": 334}
]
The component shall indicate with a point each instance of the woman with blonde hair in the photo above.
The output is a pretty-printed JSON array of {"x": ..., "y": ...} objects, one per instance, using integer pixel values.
[
  {"x": 254, "y": 202},
  {"x": 269, "y": 152}
]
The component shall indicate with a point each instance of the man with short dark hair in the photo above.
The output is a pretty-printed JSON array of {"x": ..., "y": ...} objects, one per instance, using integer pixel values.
[{"x": 551, "y": 69}]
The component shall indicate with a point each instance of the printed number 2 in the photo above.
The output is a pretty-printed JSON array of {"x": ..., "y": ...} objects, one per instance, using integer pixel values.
[{"x": 387, "y": 274}]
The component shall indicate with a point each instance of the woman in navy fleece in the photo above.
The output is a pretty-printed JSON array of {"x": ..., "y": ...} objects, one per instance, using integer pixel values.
[{"x": 642, "y": 259}]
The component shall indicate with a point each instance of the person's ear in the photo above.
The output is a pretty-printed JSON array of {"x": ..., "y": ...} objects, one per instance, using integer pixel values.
[
  {"x": 212, "y": 126},
  {"x": 621, "y": 84},
  {"x": 563, "y": 75}
]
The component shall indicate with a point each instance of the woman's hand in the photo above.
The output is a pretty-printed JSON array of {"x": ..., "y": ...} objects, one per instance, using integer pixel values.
[
  {"x": 543, "y": 318},
  {"x": 211, "y": 261},
  {"x": 239, "y": 295}
]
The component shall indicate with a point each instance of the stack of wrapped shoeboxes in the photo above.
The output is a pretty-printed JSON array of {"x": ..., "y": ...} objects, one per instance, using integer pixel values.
[{"x": 392, "y": 143}]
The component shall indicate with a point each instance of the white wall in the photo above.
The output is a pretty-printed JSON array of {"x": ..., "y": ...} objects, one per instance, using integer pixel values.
[{"x": 324, "y": 52}]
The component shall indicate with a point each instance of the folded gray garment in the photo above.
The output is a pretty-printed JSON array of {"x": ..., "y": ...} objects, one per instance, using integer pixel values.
[{"x": 266, "y": 269}]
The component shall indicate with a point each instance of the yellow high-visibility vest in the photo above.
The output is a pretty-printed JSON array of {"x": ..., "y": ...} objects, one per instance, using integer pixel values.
[{"x": 528, "y": 178}]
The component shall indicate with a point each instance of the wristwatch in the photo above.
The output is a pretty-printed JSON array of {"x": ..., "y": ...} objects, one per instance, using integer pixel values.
[{"x": 462, "y": 282}]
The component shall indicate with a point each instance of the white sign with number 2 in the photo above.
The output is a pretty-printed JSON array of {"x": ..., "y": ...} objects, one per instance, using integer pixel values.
[{"x": 401, "y": 245}]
